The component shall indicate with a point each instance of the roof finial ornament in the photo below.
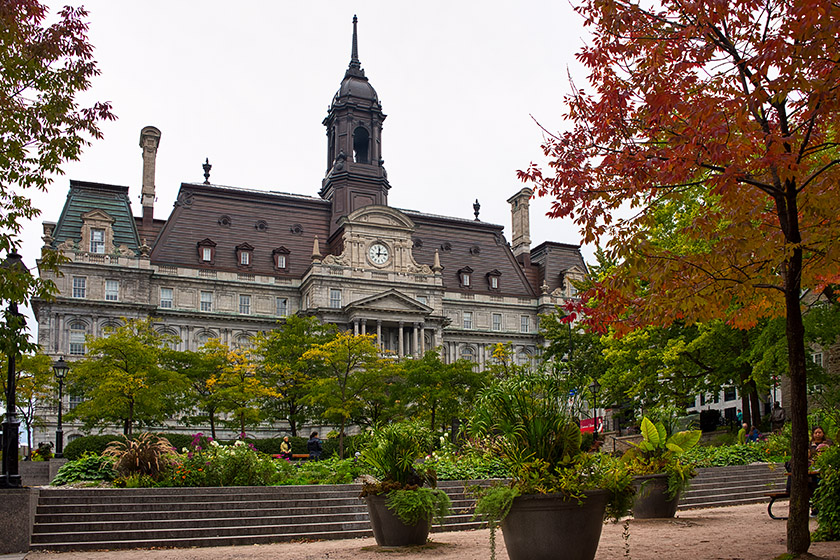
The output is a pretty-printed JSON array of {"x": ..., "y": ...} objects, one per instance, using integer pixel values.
[
  {"x": 476, "y": 208},
  {"x": 355, "y": 68},
  {"x": 206, "y": 166}
]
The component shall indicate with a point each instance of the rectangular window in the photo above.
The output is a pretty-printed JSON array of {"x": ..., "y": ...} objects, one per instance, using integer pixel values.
[
  {"x": 75, "y": 401},
  {"x": 282, "y": 306},
  {"x": 245, "y": 304},
  {"x": 497, "y": 321},
  {"x": 729, "y": 394},
  {"x": 281, "y": 261},
  {"x": 468, "y": 323},
  {"x": 166, "y": 299},
  {"x": 206, "y": 254},
  {"x": 207, "y": 301},
  {"x": 112, "y": 290},
  {"x": 494, "y": 282},
  {"x": 245, "y": 258},
  {"x": 524, "y": 323},
  {"x": 465, "y": 280},
  {"x": 818, "y": 358},
  {"x": 335, "y": 298},
  {"x": 97, "y": 241},
  {"x": 79, "y": 287}
]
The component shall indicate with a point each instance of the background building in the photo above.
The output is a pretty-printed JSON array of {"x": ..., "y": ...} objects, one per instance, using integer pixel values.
[{"x": 230, "y": 262}]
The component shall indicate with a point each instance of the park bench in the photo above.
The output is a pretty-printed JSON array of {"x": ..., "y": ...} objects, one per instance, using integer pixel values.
[{"x": 773, "y": 497}]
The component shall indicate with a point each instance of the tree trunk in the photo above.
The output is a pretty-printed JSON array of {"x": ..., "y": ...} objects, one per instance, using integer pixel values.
[
  {"x": 341, "y": 440},
  {"x": 213, "y": 425},
  {"x": 798, "y": 535},
  {"x": 129, "y": 424},
  {"x": 755, "y": 403},
  {"x": 746, "y": 417}
]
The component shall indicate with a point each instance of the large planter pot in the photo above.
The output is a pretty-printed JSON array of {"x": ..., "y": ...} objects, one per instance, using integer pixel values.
[
  {"x": 551, "y": 526},
  {"x": 389, "y": 530},
  {"x": 652, "y": 497}
]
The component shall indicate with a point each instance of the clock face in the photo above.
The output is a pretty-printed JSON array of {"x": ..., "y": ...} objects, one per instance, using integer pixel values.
[{"x": 378, "y": 253}]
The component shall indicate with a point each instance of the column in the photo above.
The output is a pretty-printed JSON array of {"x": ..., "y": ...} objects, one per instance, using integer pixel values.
[
  {"x": 379, "y": 334},
  {"x": 401, "y": 346},
  {"x": 364, "y": 326},
  {"x": 416, "y": 345},
  {"x": 422, "y": 347},
  {"x": 355, "y": 326}
]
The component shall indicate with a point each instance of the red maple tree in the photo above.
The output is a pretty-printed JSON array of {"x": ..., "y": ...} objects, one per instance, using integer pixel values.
[{"x": 704, "y": 157}]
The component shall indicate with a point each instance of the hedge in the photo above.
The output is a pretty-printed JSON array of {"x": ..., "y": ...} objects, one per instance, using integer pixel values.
[{"x": 97, "y": 444}]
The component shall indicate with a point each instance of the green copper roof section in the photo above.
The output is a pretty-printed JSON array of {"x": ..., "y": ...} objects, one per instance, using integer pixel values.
[{"x": 85, "y": 197}]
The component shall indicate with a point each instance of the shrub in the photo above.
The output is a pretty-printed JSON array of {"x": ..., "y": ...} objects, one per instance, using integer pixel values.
[
  {"x": 224, "y": 465},
  {"x": 147, "y": 454},
  {"x": 741, "y": 454},
  {"x": 87, "y": 444},
  {"x": 329, "y": 471},
  {"x": 89, "y": 467},
  {"x": 827, "y": 495}
]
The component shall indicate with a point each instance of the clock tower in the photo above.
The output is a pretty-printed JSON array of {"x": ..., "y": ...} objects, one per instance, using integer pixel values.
[{"x": 355, "y": 173}]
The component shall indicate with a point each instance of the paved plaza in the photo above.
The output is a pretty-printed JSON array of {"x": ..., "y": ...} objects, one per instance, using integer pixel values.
[{"x": 732, "y": 533}]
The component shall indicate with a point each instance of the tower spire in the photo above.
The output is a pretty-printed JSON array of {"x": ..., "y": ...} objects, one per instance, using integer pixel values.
[{"x": 355, "y": 68}]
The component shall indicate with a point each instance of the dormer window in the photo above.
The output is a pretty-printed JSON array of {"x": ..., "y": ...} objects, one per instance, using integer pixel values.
[
  {"x": 206, "y": 251},
  {"x": 244, "y": 255},
  {"x": 494, "y": 279},
  {"x": 465, "y": 277},
  {"x": 281, "y": 258},
  {"x": 97, "y": 241}
]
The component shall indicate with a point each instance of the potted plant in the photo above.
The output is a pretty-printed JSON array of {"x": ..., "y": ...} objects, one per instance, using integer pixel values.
[
  {"x": 403, "y": 501},
  {"x": 555, "y": 505},
  {"x": 661, "y": 476}
]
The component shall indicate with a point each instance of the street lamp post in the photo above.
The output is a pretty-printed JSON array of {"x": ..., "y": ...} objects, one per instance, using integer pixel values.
[
  {"x": 595, "y": 387},
  {"x": 60, "y": 368},
  {"x": 10, "y": 477}
]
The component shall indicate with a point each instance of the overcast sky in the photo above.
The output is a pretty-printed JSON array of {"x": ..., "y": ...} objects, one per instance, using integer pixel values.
[{"x": 248, "y": 84}]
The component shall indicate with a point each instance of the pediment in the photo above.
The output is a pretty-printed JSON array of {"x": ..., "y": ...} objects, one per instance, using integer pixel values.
[
  {"x": 574, "y": 272},
  {"x": 390, "y": 301},
  {"x": 97, "y": 215},
  {"x": 381, "y": 216}
]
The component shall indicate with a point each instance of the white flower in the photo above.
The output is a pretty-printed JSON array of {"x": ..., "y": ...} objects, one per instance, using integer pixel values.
[
  {"x": 215, "y": 443},
  {"x": 184, "y": 450},
  {"x": 238, "y": 443}
]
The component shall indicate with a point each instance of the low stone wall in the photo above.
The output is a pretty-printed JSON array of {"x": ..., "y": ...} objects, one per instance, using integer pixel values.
[
  {"x": 39, "y": 473},
  {"x": 17, "y": 510}
]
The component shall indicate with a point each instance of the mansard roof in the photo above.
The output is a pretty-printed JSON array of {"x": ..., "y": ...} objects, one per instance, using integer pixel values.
[
  {"x": 468, "y": 243},
  {"x": 555, "y": 259},
  {"x": 85, "y": 197},
  {"x": 232, "y": 216}
]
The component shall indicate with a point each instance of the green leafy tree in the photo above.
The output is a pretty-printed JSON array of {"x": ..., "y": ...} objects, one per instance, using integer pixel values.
[
  {"x": 35, "y": 389},
  {"x": 200, "y": 399},
  {"x": 280, "y": 353},
  {"x": 730, "y": 109},
  {"x": 436, "y": 392},
  {"x": 122, "y": 381},
  {"x": 351, "y": 366},
  {"x": 240, "y": 388}
]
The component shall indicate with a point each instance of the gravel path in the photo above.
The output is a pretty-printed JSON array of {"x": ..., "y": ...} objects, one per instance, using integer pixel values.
[{"x": 730, "y": 533}]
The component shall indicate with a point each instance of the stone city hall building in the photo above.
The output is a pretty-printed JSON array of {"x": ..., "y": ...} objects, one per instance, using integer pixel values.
[{"x": 230, "y": 262}]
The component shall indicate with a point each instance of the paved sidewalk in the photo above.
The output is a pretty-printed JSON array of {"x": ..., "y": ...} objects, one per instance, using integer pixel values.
[{"x": 731, "y": 533}]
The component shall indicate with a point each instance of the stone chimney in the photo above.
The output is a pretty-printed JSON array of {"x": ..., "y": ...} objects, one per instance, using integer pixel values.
[
  {"x": 149, "y": 142},
  {"x": 521, "y": 225}
]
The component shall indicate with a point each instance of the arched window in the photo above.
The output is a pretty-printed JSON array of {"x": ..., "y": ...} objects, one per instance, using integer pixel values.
[
  {"x": 203, "y": 338},
  {"x": 468, "y": 353},
  {"x": 361, "y": 145},
  {"x": 76, "y": 338}
]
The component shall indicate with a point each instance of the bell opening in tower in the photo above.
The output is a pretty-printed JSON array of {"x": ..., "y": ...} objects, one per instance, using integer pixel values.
[{"x": 361, "y": 145}]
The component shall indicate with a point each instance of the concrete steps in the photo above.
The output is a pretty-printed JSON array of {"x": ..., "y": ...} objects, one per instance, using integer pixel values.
[
  {"x": 728, "y": 486},
  {"x": 95, "y": 519},
  {"x": 184, "y": 517}
]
